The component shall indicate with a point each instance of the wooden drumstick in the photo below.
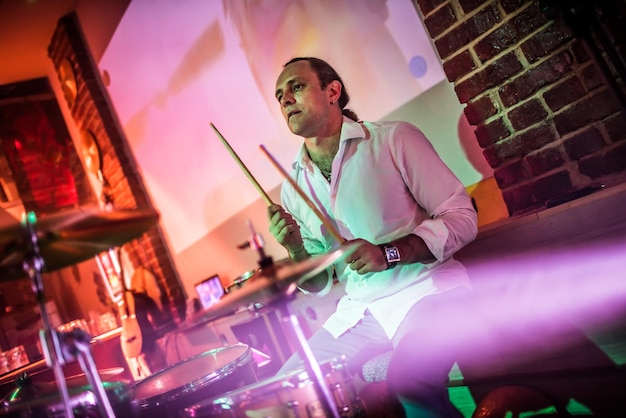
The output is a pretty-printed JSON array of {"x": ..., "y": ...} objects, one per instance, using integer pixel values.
[
  {"x": 256, "y": 184},
  {"x": 308, "y": 201}
]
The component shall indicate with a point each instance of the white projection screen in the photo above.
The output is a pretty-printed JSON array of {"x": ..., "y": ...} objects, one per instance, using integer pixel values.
[{"x": 177, "y": 66}]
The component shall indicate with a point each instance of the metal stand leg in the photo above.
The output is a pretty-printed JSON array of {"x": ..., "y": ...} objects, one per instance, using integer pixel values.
[
  {"x": 33, "y": 265},
  {"x": 311, "y": 364},
  {"x": 52, "y": 349},
  {"x": 77, "y": 343},
  {"x": 59, "y": 346}
]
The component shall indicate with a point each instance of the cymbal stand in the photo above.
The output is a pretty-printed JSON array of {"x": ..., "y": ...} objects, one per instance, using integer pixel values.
[
  {"x": 33, "y": 264},
  {"x": 311, "y": 364},
  {"x": 303, "y": 348},
  {"x": 76, "y": 342}
]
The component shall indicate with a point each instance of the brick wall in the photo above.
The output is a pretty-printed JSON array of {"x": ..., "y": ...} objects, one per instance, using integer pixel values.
[
  {"x": 550, "y": 121},
  {"x": 38, "y": 149},
  {"x": 92, "y": 111}
]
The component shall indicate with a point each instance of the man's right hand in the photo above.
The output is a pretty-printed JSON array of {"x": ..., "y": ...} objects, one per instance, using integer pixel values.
[{"x": 285, "y": 229}]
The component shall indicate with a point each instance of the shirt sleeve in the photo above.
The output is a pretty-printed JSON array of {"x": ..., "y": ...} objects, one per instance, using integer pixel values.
[
  {"x": 312, "y": 245},
  {"x": 452, "y": 220}
]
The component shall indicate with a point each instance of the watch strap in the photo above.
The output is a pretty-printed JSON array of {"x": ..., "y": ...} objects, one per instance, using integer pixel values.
[{"x": 391, "y": 253}]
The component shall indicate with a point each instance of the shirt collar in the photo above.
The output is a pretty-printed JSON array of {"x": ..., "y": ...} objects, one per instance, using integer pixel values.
[{"x": 349, "y": 130}]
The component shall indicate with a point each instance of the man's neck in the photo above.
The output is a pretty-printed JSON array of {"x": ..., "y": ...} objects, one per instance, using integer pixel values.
[
  {"x": 322, "y": 148},
  {"x": 325, "y": 146}
]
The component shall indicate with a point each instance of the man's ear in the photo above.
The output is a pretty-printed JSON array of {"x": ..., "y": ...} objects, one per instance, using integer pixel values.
[{"x": 334, "y": 91}]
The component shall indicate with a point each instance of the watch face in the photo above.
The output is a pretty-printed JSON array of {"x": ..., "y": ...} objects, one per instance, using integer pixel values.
[{"x": 393, "y": 255}]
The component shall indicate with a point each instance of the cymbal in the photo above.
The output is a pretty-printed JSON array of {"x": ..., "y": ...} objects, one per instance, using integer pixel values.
[
  {"x": 277, "y": 281},
  {"x": 69, "y": 237},
  {"x": 81, "y": 379}
]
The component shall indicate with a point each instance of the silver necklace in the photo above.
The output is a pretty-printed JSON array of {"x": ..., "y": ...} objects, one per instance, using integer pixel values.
[{"x": 326, "y": 173}]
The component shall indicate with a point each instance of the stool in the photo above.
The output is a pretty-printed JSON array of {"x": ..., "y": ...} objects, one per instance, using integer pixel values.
[
  {"x": 376, "y": 399},
  {"x": 375, "y": 369}
]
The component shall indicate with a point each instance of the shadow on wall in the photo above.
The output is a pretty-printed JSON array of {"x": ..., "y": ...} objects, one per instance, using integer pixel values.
[{"x": 486, "y": 193}]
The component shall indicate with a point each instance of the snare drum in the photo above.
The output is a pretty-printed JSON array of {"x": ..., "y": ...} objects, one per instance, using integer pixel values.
[
  {"x": 217, "y": 371},
  {"x": 292, "y": 395}
]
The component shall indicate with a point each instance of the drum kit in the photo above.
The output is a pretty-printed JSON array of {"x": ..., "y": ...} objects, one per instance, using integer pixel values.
[{"x": 216, "y": 383}]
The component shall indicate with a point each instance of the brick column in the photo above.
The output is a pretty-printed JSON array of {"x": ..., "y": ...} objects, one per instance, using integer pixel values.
[
  {"x": 93, "y": 112},
  {"x": 546, "y": 117}
]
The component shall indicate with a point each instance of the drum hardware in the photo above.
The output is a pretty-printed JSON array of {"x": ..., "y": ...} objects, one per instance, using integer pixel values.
[
  {"x": 241, "y": 280},
  {"x": 26, "y": 389},
  {"x": 83, "y": 403},
  {"x": 289, "y": 395},
  {"x": 276, "y": 286},
  {"x": 58, "y": 241},
  {"x": 312, "y": 366},
  {"x": 271, "y": 283}
]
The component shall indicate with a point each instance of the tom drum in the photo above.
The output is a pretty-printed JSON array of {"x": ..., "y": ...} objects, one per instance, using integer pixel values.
[
  {"x": 209, "y": 374},
  {"x": 289, "y": 396}
]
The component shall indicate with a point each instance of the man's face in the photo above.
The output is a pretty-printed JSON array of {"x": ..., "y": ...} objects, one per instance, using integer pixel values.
[{"x": 304, "y": 104}]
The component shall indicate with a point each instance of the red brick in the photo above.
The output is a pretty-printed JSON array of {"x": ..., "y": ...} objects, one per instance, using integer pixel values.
[
  {"x": 491, "y": 132},
  {"x": 521, "y": 144},
  {"x": 467, "y": 31},
  {"x": 592, "y": 77},
  {"x": 458, "y": 66},
  {"x": 503, "y": 37},
  {"x": 586, "y": 112},
  {"x": 427, "y": 6},
  {"x": 609, "y": 161},
  {"x": 519, "y": 200},
  {"x": 440, "y": 21},
  {"x": 489, "y": 77},
  {"x": 527, "y": 114},
  {"x": 534, "y": 195},
  {"x": 510, "y": 174},
  {"x": 469, "y": 5},
  {"x": 579, "y": 51},
  {"x": 545, "y": 41},
  {"x": 509, "y": 33},
  {"x": 616, "y": 127},
  {"x": 544, "y": 160},
  {"x": 553, "y": 186},
  {"x": 583, "y": 143},
  {"x": 544, "y": 74},
  {"x": 564, "y": 93},
  {"x": 478, "y": 110},
  {"x": 509, "y": 6}
]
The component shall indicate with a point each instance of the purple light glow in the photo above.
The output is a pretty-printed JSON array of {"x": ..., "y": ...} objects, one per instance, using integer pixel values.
[{"x": 537, "y": 307}]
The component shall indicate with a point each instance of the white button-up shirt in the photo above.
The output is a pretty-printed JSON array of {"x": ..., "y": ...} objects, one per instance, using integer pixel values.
[{"x": 387, "y": 182}]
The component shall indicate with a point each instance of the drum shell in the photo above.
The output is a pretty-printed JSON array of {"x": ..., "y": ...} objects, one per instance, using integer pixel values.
[
  {"x": 82, "y": 399},
  {"x": 206, "y": 375},
  {"x": 292, "y": 395}
]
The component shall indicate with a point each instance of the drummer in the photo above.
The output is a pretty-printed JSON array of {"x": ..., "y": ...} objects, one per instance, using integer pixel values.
[{"x": 384, "y": 187}]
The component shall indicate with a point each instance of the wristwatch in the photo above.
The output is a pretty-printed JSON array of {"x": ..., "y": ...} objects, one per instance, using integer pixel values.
[{"x": 391, "y": 253}]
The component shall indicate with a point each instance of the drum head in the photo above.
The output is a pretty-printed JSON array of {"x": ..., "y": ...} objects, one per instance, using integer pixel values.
[{"x": 194, "y": 372}]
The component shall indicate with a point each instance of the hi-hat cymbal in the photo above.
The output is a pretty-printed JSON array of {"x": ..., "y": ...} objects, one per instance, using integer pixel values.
[
  {"x": 272, "y": 283},
  {"x": 69, "y": 237}
]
